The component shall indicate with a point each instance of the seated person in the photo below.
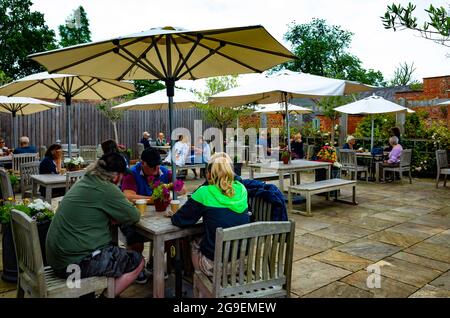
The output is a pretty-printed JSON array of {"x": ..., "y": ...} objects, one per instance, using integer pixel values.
[
  {"x": 80, "y": 230},
  {"x": 136, "y": 185},
  {"x": 51, "y": 164},
  {"x": 146, "y": 139},
  {"x": 222, "y": 202},
  {"x": 351, "y": 143},
  {"x": 161, "y": 141},
  {"x": 4, "y": 151},
  {"x": 264, "y": 141},
  {"x": 180, "y": 150},
  {"x": 394, "y": 155},
  {"x": 25, "y": 147},
  {"x": 297, "y": 146},
  {"x": 395, "y": 131},
  {"x": 201, "y": 154},
  {"x": 109, "y": 146}
]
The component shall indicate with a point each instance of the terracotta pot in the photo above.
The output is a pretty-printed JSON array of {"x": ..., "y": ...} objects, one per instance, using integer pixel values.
[
  {"x": 285, "y": 160},
  {"x": 161, "y": 206}
]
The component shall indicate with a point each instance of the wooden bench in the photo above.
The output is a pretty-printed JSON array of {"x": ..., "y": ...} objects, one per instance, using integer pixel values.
[
  {"x": 309, "y": 189},
  {"x": 269, "y": 176}
]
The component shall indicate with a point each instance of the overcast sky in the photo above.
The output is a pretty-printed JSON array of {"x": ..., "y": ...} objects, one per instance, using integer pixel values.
[{"x": 377, "y": 48}]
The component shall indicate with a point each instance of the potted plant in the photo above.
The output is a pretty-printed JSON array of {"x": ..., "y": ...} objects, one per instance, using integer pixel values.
[
  {"x": 73, "y": 164},
  {"x": 285, "y": 157},
  {"x": 38, "y": 210},
  {"x": 15, "y": 183},
  {"x": 161, "y": 193}
]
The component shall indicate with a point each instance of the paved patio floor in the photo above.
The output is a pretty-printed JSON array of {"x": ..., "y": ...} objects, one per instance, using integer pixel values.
[{"x": 403, "y": 229}]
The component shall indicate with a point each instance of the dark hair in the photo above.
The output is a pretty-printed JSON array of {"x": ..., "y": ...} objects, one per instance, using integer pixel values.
[
  {"x": 48, "y": 153},
  {"x": 109, "y": 146},
  {"x": 113, "y": 162},
  {"x": 151, "y": 156},
  {"x": 395, "y": 131}
]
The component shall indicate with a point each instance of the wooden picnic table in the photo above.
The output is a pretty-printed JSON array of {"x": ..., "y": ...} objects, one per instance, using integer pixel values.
[
  {"x": 49, "y": 181},
  {"x": 295, "y": 166},
  {"x": 158, "y": 227},
  {"x": 6, "y": 159}
]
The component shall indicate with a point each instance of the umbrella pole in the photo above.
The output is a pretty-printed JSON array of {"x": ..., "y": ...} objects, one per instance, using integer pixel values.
[
  {"x": 287, "y": 122},
  {"x": 170, "y": 87},
  {"x": 371, "y": 137},
  {"x": 69, "y": 125},
  {"x": 15, "y": 129}
]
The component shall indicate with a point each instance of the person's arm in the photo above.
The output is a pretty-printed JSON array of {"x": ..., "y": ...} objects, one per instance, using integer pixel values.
[
  {"x": 120, "y": 209},
  {"x": 129, "y": 188},
  {"x": 133, "y": 196},
  {"x": 188, "y": 214}
]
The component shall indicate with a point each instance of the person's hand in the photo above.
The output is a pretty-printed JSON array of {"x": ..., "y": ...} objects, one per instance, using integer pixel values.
[{"x": 182, "y": 191}]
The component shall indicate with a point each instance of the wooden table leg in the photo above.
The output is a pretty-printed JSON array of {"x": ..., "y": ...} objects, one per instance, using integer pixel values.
[
  {"x": 281, "y": 176},
  {"x": 158, "y": 267},
  {"x": 48, "y": 194},
  {"x": 251, "y": 176},
  {"x": 34, "y": 191},
  {"x": 377, "y": 171}
]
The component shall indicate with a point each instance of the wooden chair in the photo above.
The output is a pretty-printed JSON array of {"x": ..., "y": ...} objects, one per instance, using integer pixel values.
[
  {"x": 140, "y": 149},
  {"x": 18, "y": 159},
  {"x": 252, "y": 260},
  {"x": 405, "y": 165},
  {"x": 349, "y": 163},
  {"x": 72, "y": 177},
  {"x": 5, "y": 185},
  {"x": 442, "y": 166},
  {"x": 88, "y": 153},
  {"x": 260, "y": 209},
  {"x": 42, "y": 151},
  {"x": 26, "y": 170},
  {"x": 35, "y": 280},
  {"x": 310, "y": 152}
]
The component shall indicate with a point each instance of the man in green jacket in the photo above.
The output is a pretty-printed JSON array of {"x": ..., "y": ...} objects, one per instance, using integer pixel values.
[{"x": 80, "y": 230}]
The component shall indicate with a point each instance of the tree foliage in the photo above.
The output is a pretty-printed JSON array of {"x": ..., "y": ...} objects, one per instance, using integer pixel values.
[
  {"x": 436, "y": 28},
  {"x": 221, "y": 116},
  {"x": 145, "y": 87},
  {"x": 76, "y": 30},
  {"x": 327, "y": 106},
  {"x": 113, "y": 115},
  {"x": 322, "y": 50},
  {"x": 23, "y": 32},
  {"x": 403, "y": 74}
]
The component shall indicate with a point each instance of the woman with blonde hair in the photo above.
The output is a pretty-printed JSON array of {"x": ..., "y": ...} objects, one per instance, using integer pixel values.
[{"x": 221, "y": 201}]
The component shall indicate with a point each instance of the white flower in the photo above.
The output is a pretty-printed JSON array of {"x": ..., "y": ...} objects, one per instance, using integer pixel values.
[{"x": 67, "y": 160}]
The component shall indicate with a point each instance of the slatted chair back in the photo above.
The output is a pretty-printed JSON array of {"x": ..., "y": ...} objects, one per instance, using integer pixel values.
[
  {"x": 18, "y": 159},
  {"x": 441, "y": 160},
  {"x": 140, "y": 149},
  {"x": 260, "y": 209},
  {"x": 26, "y": 170},
  {"x": 252, "y": 260},
  {"x": 42, "y": 151},
  {"x": 405, "y": 159},
  {"x": 5, "y": 184},
  {"x": 347, "y": 158},
  {"x": 88, "y": 153},
  {"x": 310, "y": 152},
  {"x": 72, "y": 177},
  {"x": 31, "y": 274}
]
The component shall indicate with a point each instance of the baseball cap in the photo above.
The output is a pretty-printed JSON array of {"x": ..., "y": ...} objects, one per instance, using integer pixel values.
[
  {"x": 151, "y": 156},
  {"x": 115, "y": 162}
]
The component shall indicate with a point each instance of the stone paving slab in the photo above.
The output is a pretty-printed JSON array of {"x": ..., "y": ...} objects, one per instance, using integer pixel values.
[
  {"x": 394, "y": 238},
  {"x": 339, "y": 290},
  {"x": 390, "y": 288},
  {"x": 420, "y": 260},
  {"x": 368, "y": 249},
  {"x": 309, "y": 275},
  {"x": 435, "y": 221},
  {"x": 343, "y": 260},
  {"x": 302, "y": 251},
  {"x": 315, "y": 242},
  {"x": 440, "y": 239},
  {"x": 406, "y": 272},
  {"x": 309, "y": 223},
  {"x": 442, "y": 282},
  {"x": 374, "y": 224},
  {"x": 418, "y": 230},
  {"x": 6, "y": 286},
  {"x": 412, "y": 210},
  {"x": 393, "y": 216},
  {"x": 433, "y": 251},
  {"x": 429, "y": 291},
  {"x": 342, "y": 233}
]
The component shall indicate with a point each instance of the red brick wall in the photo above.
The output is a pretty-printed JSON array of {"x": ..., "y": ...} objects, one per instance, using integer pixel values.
[
  {"x": 352, "y": 123},
  {"x": 433, "y": 87}
]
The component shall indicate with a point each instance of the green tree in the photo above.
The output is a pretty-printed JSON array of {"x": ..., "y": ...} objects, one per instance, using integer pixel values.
[
  {"x": 23, "y": 32},
  {"x": 436, "y": 28},
  {"x": 327, "y": 106},
  {"x": 3, "y": 78},
  {"x": 145, "y": 87},
  {"x": 113, "y": 115},
  {"x": 222, "y": 117},
  {"x": 322, "y": 50},
  {"x": 76, "y": 30},
  {"x": 403, "y": 75}
]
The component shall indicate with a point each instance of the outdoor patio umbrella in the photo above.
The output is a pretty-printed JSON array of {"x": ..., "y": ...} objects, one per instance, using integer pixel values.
[
  {"x": 22, "y": 106},
  {"x": 372, "y": 105},
  {"x": 283, "y": 86},
  {"x": 68, "y": 87},
  {"x": 158, "y": 100},
  {"x": 170, "y": 54}
]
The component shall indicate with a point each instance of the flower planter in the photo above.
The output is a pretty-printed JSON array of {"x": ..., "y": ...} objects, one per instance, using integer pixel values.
[
  {"x": 161, "y": 206},
  {"x": 9, "y": 253},
  {"x": 285, "y": 160}
]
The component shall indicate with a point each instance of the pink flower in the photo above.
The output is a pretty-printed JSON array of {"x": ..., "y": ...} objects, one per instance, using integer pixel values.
[
  {"x": 156, "y": 183},
  {"x": 178, "y": 185}
]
